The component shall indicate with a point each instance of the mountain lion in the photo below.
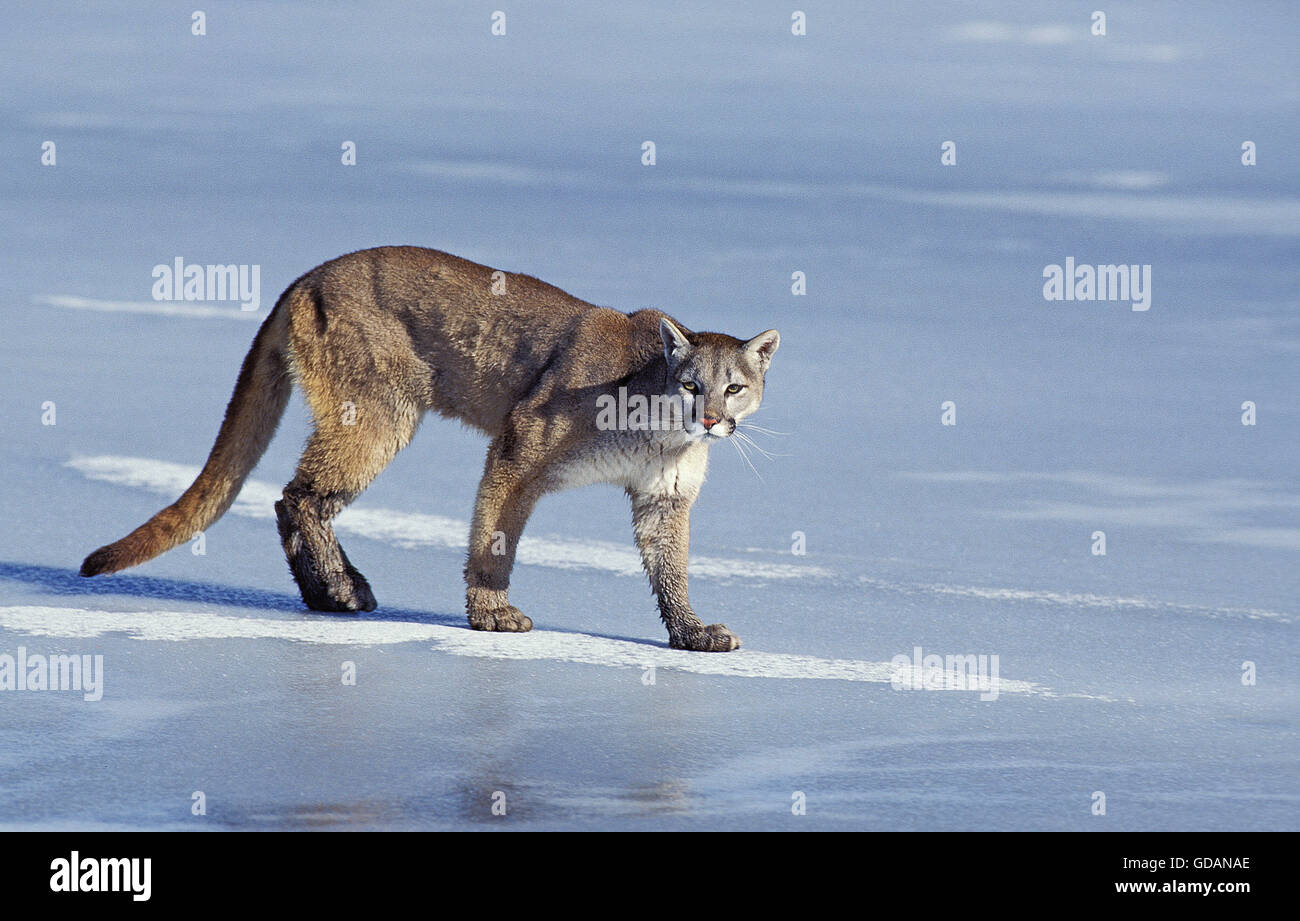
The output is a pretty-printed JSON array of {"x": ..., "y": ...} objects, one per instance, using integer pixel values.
[{"x": 378, "y": 337}]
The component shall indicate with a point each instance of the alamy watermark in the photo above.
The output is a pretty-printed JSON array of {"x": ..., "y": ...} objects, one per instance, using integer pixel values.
[
  {"x": 193, "y": 282},
  {"x": 75, "y": 873},
  {"x": 933, "y": 672},
  {"x": 638, "y": 412},
  {"x": 36, "y": 672},
  {"x": 1098, "y": 283}
]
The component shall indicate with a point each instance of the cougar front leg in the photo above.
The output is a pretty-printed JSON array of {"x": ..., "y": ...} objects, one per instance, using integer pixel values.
[
  {"x": 506, "y": 497},
  {"x": 662, "y": 526}
]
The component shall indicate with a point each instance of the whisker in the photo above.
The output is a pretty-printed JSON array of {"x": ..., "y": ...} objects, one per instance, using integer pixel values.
[
  {"x": 753, "y": 444},
  {"x": 745, "y": 458},
  {"x": 758, "y": 428}
]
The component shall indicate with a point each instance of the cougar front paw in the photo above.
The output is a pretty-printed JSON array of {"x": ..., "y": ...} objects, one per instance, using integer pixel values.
[
  {"x": 508, "y": 619},
  {"x": 713, "y": 638}
]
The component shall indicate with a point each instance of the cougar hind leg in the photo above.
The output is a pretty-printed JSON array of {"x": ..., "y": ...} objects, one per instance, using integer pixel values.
[
  {"x": 326, "y": 578},
  {"x": 342, "y": 457}
]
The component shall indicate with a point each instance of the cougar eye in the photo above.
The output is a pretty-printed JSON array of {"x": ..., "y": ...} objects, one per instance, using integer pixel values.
[
  {"x": 735, "y": 388},
  {"x": 689, "y": 386}
]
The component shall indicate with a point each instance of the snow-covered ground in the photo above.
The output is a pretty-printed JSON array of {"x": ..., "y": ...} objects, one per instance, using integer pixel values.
[{"x": 1120, "y": 674}]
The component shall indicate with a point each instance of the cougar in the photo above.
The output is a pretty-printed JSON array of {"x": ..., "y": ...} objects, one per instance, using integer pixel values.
[{"x": 378, "y": 337}]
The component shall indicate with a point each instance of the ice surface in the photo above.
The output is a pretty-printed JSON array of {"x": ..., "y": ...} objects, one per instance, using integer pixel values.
[{"x": 1120, "y": 673}]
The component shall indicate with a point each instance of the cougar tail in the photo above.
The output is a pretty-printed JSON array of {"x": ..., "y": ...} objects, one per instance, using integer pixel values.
[{"x": 252, "y": 416}]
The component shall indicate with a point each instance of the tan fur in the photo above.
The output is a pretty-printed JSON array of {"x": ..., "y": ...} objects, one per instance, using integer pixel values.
[
  {"x": 378, "y": 337},
  {"x": 261, "y": 393}
]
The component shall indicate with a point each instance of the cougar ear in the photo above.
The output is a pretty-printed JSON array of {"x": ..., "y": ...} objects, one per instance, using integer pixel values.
[
  {"x": 764, "y": 346},
  {"x": 676, "y": 345}
]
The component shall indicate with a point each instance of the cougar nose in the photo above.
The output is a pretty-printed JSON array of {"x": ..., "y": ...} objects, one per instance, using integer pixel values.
[{"x": 708, "y": 422}]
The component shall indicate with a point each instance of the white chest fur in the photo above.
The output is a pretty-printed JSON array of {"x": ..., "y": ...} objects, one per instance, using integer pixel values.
[{"x": 640, "y": 465}]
